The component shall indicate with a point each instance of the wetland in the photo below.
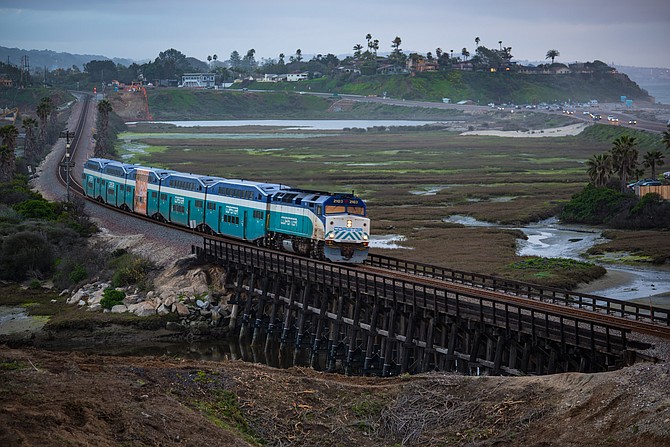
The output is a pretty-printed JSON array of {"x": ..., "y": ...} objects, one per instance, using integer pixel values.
[{"x": 412, "y": 178}]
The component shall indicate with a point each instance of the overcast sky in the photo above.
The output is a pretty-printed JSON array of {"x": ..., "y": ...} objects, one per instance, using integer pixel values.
[{"x": 620, "y": 32}]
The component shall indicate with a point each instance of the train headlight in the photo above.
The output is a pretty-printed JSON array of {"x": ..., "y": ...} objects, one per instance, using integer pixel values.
[
  {"x": 331, "y": 235},
  {"x": 365, "y": 237},
  {"x": 350, "y": 223}
]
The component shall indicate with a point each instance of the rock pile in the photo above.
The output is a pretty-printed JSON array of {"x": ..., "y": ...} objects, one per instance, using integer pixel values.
[{"x": 194, "y": 295}]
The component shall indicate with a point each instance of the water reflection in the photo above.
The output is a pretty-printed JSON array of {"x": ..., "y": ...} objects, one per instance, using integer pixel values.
[
  {"x": 550, "y": 239},
  {"x": 295, "y": 124}
]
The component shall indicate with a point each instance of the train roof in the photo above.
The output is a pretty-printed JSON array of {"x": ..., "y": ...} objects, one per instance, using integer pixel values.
[{"x": 267, "y": 188}]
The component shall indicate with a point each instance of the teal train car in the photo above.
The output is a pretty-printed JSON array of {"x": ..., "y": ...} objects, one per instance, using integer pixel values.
[{"x": 317, "y": 224}]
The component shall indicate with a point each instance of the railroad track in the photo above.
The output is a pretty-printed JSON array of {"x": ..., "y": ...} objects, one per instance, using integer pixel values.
[
  {"x": 643, "y": 327},
  {"x": 640, "y": 319}
]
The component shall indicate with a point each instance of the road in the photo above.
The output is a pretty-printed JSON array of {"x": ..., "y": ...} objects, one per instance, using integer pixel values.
[{"x": 604, "y": 109}]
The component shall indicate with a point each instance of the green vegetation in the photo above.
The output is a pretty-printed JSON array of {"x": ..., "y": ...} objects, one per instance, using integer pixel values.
[
  {"x": 555, "y": 271},
  {"x": 480, "y": 87},
  {"x": 130, "y": 269},
  {"x": 112, "y": 297},
  {"x": 224, "y": 411}
]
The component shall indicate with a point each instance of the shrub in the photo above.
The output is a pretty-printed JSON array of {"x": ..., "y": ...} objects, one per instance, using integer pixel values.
[
  {"x": 37, "y": 209},
  {"x": 111, "y": 297},
  {"x": 25, "y": 252},
  {"x": 130, "y": 269}
]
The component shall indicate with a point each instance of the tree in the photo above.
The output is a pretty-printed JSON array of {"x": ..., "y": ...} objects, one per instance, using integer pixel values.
[
  {"x": 249, "y": 61},
  {"x": 298, "y": 55},
  {"x": 99, "y": 71},
  {"x": 7, "y": 164},
  {"x": 8, "y": 136},
  {"x": 102, "y": 139},
  {"x": 552, "y": 54},
  {"x": 465, "y": 53},
  {"x": 477, "y": 40},
  {"x": 624, "y": 158},
  {"x": 599, "y": 169},
  {"x": 666, "y": 138},
  {"x": 357, "y": 50},
  {"x": 395, "y": 44},
  {"x": 44, "y": 110},
  {"x": 30, "y": 141},
  {"x": 171, "y": 64},
  {"x": 653, "y": 159},
  {"x": 235, "y": 59}
]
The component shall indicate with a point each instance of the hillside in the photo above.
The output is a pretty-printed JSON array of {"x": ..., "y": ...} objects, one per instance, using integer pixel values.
[{"x": 480, "y": 87}]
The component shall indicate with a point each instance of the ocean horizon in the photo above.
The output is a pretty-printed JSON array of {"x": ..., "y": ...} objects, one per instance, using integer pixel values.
[{"x": 660, "y": 92}]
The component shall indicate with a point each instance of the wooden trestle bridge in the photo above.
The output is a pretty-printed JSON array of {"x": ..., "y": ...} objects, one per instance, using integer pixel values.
[{"x": 390, "y": 316}]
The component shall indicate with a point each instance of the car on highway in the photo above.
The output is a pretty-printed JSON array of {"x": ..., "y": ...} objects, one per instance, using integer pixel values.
[{"x": 632, "y": 122}]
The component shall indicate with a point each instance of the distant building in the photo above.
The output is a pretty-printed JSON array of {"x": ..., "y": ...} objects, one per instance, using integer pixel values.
[
  {"x": 197, "y": 80},
  {"x": 293, "y": 77},
  {"x": 421, "y": 65}
]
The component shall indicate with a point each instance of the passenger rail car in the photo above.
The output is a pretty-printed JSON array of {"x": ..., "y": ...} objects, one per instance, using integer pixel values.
[{"x": 317, "y": 224}]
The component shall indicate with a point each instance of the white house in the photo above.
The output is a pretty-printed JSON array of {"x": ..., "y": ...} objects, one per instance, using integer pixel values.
[
  {"x": 197, "y": 80},
  {"x": 293, "y": 77}
]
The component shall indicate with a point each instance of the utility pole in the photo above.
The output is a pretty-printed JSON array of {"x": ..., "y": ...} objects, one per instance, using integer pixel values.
[{"x": 66, "y": 163}]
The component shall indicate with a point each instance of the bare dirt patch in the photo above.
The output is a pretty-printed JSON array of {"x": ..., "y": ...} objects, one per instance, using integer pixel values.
[{"x": 77, "y": 399}]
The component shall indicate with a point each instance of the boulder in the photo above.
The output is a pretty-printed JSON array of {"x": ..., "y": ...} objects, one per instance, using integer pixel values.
[
  {"x": 145, "y": 309},
  {"x": 119, "y": 309}
]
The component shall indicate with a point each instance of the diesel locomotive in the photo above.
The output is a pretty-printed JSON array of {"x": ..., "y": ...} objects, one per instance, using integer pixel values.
[{"x": 316, "y": 224}]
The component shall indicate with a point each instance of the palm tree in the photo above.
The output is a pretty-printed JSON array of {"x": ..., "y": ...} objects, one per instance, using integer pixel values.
[
  {"x": 500, "y": 43},
  {"x": 465, "y": 53},
  {"x": 7, "y": 164},
  {"x": 396, "y": 44},
  {"x": 43, "y": 111},
  {"x": 477, "y": 40},
  {"x": 552, "y": 54},
  {"x": 653, "y": 159},
  {"x": 666, "y": 138},
  {"x": 102, "y": 143},
  {"x": 9, "y": 134},
  {"x": 599, "y": 169},
  {"x": 357, "y": 50},
  {"x": 30, "y": 141},
  {"x": 624, "y": 158}
]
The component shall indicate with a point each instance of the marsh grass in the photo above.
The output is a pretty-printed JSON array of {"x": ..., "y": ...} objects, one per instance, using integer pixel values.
[{"x": 505, "y": 180}]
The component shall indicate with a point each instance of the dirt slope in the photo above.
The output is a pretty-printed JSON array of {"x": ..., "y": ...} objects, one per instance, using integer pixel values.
[{"x": 74, "y": 399}]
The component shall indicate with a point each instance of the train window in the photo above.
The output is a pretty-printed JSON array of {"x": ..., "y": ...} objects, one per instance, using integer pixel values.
[
  {"x": 198, "y": 203},
  {"x": 178, "y": 208},
  {"x": 154, "y": 194},
  {"x": 318, "y": 210},
  {"x": 110, "y": 191},
  {"x": 211, "y": 205},
  {"x": 332, "y": 209},
  {"x": 258, "y": 214},
  {"x": 163, "y": 196},
  {"x": 356, "y": 210}
]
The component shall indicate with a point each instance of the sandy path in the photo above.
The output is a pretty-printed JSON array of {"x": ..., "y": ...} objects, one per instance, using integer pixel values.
[{"x": 566, "y": 131}]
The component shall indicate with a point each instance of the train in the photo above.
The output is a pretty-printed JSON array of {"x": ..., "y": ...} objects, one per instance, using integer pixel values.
[{"x": 315, "y": 224}]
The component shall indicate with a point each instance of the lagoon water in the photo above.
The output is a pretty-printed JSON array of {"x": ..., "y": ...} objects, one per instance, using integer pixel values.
[
  {"x": 295, "y": 124},
  {"x": 551, "y": 239}
]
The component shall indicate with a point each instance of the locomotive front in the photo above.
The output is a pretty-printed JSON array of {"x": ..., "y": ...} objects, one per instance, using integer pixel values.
[{"x": 347, "y": 229}]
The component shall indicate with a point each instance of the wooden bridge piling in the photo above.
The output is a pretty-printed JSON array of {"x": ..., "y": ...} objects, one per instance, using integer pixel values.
[{"x": 377, "y": 324}]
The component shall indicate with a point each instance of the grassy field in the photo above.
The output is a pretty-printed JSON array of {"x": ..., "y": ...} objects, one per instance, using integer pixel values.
[{"x": 411, "y": 180}]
